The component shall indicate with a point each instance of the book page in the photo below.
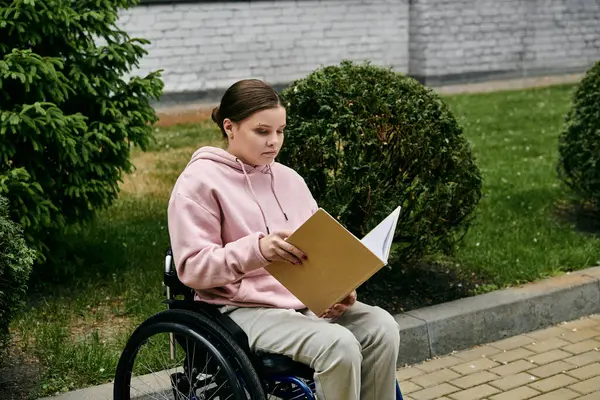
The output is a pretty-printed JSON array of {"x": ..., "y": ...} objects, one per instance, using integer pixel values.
[{"x": 379, "y": 240}]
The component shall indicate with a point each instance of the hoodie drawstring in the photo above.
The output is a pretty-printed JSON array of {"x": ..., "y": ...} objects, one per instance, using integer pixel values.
[
  {"x": 275, "y": 194},
  {"x": 254, "y": 194},
  {"x": 256, "y": 198}
]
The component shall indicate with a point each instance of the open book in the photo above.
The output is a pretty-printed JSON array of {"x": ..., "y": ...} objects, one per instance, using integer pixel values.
[{"x": 338, "y": 262}]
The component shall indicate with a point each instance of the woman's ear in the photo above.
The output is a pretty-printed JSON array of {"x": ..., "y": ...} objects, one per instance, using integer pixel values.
[{"x": 228, "y": 128}]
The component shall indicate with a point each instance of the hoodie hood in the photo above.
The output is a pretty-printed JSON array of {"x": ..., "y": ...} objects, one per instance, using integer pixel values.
[{"x": 222, "y": 156}]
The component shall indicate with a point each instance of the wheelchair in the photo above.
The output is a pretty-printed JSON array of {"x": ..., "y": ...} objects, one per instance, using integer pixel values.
[{"x": 192, "y": 351}]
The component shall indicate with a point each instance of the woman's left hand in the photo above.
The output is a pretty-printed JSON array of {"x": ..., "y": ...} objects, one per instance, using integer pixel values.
[{"x": 340, "y": 308}]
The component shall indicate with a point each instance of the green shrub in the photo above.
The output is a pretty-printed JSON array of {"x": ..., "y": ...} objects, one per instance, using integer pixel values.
[
  {"x": 16, "y": 259},
  {"x": 68, "y": 116},
  {"x": 367, "y": 139},
  {"x": 579, "y": 142}
]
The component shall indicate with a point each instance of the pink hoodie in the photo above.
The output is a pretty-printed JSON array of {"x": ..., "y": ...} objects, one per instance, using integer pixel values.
[{"x": 218, "y": 211}]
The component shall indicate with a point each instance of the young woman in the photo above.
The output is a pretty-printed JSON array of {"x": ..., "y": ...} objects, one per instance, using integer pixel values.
[{"x": 229, "y": 215}]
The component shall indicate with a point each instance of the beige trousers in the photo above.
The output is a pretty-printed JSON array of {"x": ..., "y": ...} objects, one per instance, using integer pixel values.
[{"x": 354, "y": 357}]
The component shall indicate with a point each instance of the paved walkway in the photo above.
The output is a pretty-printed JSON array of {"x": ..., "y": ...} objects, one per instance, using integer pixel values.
[{"x": 558, "y": 363}]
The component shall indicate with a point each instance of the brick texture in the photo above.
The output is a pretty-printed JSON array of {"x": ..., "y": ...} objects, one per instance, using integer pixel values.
[
  {"x": 586, "y": 372},
  {"x": 208, "y": 45},
  {"x": 203, "y": 46},
  {"x": 551, "y": 368},
  {"x": 520, "y": 393},
  {"x": 512, "y": 381},
  {"x": 474, "y": 393},
  {"x": 553, "y": 383},
  {"x": 502, "y": 37}
]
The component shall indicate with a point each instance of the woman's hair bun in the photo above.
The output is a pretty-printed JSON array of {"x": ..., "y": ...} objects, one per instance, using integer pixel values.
[{"x": 215, "y": 115}]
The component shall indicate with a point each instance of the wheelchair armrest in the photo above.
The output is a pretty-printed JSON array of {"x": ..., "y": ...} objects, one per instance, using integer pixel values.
[
  {"x": 171, "y": 281},
  {"x": 177, "y": 288}
]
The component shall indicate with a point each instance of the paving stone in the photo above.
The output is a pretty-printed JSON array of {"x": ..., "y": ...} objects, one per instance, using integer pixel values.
[
  {"x": 477, "y": 352},
  {"x": 475, "y": 393},
  {"x": 560, "y": 394},
  {"x": 586, "y": 372},
  {"x": 474, "y": 366},
  {"x": 550, "y": 356},
  {"x": 408, "y": 387},
  {"x": 551, "y": 369},
  {"x": 512, "y": 368},
  {"x": 512, "y": 355},
  {"x": 580, "y": 335},
  {"x": 434, "y": 378},
  {"x": 587, "y": 386},
  {"x": 553, "y": 383},
  {"x": 582, "y": 347},
  {"x": 584, "y": 358},
  {"x": 439, "y": 363},
  {"x": 512, "y": 381},
  {"x": 555, "y": 331},
  {"x": 434, "y": 392},
  {"x": 520, "y": 393},
  {"x": 591, "y": 396},
  {"x": 546, "y": 345},
  {"x": 407, "y": 373},
  {"x": 580, "y": 324},
  {"x": 512, "y": 343},
  {"x": 474, "y": 379}
]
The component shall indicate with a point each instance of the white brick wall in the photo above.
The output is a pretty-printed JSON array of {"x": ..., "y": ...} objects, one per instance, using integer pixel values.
[
  {"x": 203, "y": 46},
  {"x": 209, "y": 45},
  {"x": 502, "y": 37}
]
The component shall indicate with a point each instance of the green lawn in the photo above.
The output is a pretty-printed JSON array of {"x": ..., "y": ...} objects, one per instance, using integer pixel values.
[
  {"x": 525, "y": 228},
  {"x": 78, "y": 323}
]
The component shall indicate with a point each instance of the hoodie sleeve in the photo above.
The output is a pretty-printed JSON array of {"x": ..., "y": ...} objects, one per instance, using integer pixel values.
[{"x": 201, "y": 260}]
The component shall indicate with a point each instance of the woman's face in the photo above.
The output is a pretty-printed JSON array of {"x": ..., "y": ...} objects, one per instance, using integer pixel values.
[{"x": 257, "y": 139}]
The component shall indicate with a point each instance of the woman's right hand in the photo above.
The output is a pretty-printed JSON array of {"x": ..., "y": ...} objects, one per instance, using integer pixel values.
[{"x": 274, "y": 247}]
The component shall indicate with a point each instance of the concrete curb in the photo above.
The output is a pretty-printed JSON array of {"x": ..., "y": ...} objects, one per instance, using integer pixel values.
[
  {"x": 457, "y": 325},
  {"x": 100, "y": 392}
]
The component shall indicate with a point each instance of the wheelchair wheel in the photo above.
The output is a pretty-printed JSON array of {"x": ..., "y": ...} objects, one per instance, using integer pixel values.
[{"x": 181, "y": 355}]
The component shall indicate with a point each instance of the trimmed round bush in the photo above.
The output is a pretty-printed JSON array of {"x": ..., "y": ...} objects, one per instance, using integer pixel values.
[
  {"x": 579, "y": 141},
  {"x": 16, "y": 259},
  {"x": 367, "y": 139}
]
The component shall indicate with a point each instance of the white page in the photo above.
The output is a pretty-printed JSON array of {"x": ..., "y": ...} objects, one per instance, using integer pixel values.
[{"x": 379, "y": 240}]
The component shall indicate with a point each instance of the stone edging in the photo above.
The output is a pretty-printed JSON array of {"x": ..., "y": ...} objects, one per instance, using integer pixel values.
[{"x": 457, "y": 325}]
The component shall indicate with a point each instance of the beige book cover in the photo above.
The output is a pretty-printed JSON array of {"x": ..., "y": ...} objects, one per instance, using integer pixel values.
[{"x": 338, "y": 262}]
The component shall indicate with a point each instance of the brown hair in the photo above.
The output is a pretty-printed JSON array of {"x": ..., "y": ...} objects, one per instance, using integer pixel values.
[{"x": 243, "y": 99}]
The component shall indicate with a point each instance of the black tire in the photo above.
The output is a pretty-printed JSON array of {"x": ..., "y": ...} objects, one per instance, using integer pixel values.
[{"x": 205, "y": 331}]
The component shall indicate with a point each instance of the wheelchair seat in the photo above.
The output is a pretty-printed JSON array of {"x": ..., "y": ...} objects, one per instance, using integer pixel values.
[{"x": 280, "y": 365}]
